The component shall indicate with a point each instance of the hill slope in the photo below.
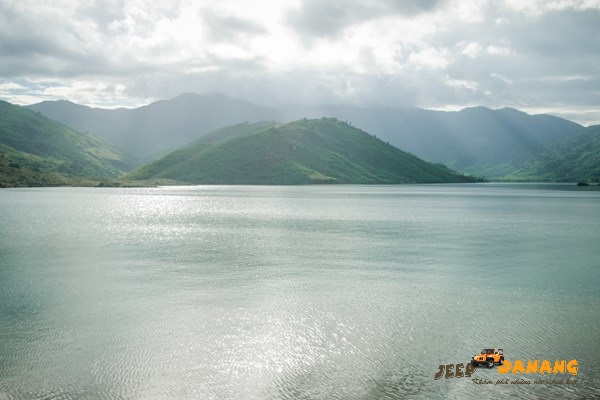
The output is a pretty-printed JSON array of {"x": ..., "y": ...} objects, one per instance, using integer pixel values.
[
  {"x": 158, "y": 127},
  {"x": 576, "y": 158},
  {"x": 35, "y": 150},
  {"x": 301, "y": 152},
  {"x": 475, "y": 140}
]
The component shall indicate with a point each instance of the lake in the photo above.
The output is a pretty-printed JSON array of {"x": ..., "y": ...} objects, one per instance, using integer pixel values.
[{"x": 295, "y": 292}]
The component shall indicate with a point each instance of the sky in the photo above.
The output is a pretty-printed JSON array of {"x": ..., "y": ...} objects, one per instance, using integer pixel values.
[{"x": 540, "y": 56}]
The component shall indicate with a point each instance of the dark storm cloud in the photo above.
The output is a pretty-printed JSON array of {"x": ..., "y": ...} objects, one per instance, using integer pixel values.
[
  {"x": 38, "y": 44},
  {"x": 103, "y": 12},
  {"x": 229, "y": 27},
  {"x": 29, "y": 51},
  {"x": 324, "y": 18},
  {"x": 558, "y": 33},
  {"x": 559, "y": 47},
  {"x": 30, "y": 44},
  {"x": 20, "y": 37},
  {"x": 411, "y": 6},
  {"x": 553, "y": 58},
  {"x": 327, "y": 18}
]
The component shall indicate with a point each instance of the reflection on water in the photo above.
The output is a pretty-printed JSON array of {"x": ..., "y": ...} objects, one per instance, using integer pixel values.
[{"x": 309, "y": 292}]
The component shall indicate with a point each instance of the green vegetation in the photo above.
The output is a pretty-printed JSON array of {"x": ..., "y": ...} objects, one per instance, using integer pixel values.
[
  {"x": 476, "y": 141},
  {"x": 499, "y": 144},
  {"x": 574, "y": 159},
  {"x": 37, "y": 151},
  {"x": 301, "y": 152}
]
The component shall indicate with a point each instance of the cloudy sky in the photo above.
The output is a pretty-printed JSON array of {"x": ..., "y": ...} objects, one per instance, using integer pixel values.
[{"x": 539, "y": 56}]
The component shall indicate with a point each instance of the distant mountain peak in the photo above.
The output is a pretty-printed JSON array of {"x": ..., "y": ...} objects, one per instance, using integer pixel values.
[
  {"x": 186, "y": 96},
  {"x": 59, "y": 104}
]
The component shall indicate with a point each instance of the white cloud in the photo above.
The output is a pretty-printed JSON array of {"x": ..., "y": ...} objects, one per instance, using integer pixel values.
[
  {"x": 462, "y": 84},
  {"x": 10, "y": 86},
  {"x": 468, "y": 11},
  {"x": 499, "y": 50},
  {"x": 472, "y": 49},
  {"x": 430, "y": 57},
  {"x": 502, "y": 78},
  {"x": 564, "y": 78}
]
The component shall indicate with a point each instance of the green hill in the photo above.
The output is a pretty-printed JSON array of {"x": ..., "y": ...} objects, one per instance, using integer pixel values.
[
  {"x": 301, "y": 152},
  {"x": 37, "y": 151},
  {"x": 576, "y": 158}
]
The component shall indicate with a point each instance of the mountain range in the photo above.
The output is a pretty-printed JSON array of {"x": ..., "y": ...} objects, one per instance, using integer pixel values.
[
  {"x": 476, "y": 140},
  {"x": 59, "y": 142}
]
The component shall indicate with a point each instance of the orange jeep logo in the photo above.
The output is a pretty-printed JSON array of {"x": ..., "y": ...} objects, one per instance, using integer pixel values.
[{"x": 488, "y": 357}]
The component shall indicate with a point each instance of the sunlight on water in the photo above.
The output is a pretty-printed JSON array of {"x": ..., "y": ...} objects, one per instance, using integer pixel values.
[{"x": 325, "y": 292}]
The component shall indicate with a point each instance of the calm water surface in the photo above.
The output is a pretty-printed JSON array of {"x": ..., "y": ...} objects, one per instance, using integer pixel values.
[{"x": 304, "y": 292}]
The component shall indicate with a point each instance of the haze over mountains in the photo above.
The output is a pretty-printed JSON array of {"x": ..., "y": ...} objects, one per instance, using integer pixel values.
[
  {"x": 576, "y": 158},
  {"x": 475, "y": 140},
  {"x": 506, "y": 144}
]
